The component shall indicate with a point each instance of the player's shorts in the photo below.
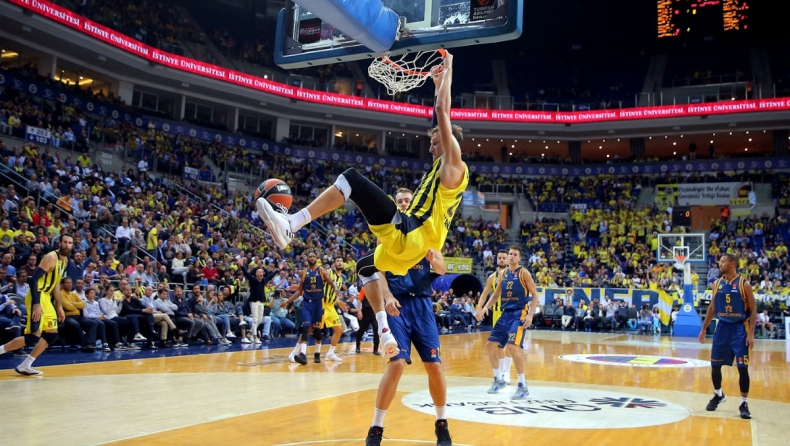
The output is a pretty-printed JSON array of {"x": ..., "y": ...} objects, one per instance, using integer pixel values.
[
  {"x": 312, "y": 313},
  {"x": 508, "y": 329},
  {"x": 49, "y": 317},
  {"x": 331, "y": 318},
  {"x": 729, "y": 344},
  {"x": 406, "y": 242},
  {"x": 415, "y": 325}
]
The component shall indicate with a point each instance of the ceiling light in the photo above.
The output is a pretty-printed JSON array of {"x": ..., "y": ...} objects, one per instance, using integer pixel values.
[
  {"x": 512, "y": 146},
  {"x": 547, "y": 147},
  {"x": 511, "y": 153},
  {"x": 478, "y": 144},
  {"x": 750, "y": 139},
  {"x": 674, "y": 153},
  {"x": 674, "y": 143},
  {"x": 600, "y": 147},
  {"x": 747, "y": 132},
  {"x": 607, "y": 156},
  {"x": 746, "y": 149},
  {"x": 711, "y": 141},
  {"x": 730, "y": 133},
  {"x": 618, "y": 139}
]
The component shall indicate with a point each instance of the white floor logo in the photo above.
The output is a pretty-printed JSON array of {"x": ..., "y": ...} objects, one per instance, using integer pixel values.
[
  {"x": 637, "y": 361},
  {"x": 552, "y": 407}
]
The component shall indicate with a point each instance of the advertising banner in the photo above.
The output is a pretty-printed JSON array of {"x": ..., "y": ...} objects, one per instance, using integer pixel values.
[
  {"x": 458, "y": 265},
  {"x": 711, "y": 194},
  {"x": 132, "y": 46}
]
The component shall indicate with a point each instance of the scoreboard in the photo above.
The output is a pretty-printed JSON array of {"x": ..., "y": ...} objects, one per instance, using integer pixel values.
[{"x": 701, "y": 17}]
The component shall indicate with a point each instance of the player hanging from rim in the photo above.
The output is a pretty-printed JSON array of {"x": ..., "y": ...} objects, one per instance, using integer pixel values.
[
  {"x": 519, "y": 304},
  {"x": 312, "y": 288},
  {"x": 331, "y": 317},
  {"x": 410, "y": 313},
  {"x": 734, "y": 306},
  {"x": 505, "y": 361},
  {"x": 42, "y": 313},
  {"x": 405, "y": 237}
]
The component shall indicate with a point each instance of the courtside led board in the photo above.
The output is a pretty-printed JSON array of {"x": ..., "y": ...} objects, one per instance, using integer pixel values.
[{"x": 304, "y": 39}]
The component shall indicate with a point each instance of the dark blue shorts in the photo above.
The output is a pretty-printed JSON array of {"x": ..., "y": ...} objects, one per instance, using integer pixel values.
[
  {"x": 508, "y": 329},
  {"x": 415, "y": 325},
  {"x": 312, "y": 313},
  {"x": 729, "y": 344}
]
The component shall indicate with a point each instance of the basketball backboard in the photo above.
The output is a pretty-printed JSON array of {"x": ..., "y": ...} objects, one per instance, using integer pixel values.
[
  {"x": 303, "y": 39},
  {"x": 690, "y": 246}
]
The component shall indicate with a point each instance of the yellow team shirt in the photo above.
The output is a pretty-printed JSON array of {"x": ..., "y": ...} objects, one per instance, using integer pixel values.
[{"x": 153, "y": 239}]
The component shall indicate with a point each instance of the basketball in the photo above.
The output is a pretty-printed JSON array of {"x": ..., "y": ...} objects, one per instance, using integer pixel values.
[{"x": 275, "y": 192}]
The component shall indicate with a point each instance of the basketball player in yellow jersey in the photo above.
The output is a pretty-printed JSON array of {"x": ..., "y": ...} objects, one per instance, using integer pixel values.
[
  {"x": 331, "y": 318},
  {"x": 505, "y": 361},
  {"x": 405, "y": 236},
  {"x": 42, "y": 314}
]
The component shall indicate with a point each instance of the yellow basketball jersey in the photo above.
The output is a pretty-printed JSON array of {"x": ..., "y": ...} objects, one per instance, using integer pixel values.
[
  {"x": 498, "y": 304},
  {"x": 48, "y": 282},
  {"x": 329, "y": 293},
  {"x": 433, "y": 206}
]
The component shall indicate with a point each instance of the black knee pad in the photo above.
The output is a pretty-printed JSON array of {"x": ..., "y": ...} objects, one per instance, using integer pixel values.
[
  {"x": 31, "y": 340},
  {"x": 51, "y": 338},
  {"x": 305, "y": 332}
]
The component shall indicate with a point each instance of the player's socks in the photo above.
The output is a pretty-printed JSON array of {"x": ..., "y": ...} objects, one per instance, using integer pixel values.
[
  {"x": 440, "y": 412},
  {"x": 378, "y": 417},
  {"x": 28, "y": 362},
  {"x": 303, "y": 348},
  {"x": 381, "y": 318},
  {"x": 498, "y": 374},
  {"x": 508, "y": 363},
  {"x": 318, "y": 348},
  {"x": 718, "y": 392},
  {"x": 503, "y": 366},
  {"x": 331, "y": 350},
  {"x": 744, "y": 399},
  {"x": 300, "y": 219},
  {"x": 296, "y": 349},
  {"x": 2, "y": 349},
  {"x": 521, "y": 379}
]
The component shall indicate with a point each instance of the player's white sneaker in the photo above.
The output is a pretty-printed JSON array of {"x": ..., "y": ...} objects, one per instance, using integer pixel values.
[
  {"x": 277, "y": 222},
  {"x": 333, "y": 357},
  {"x": 389, "y": 346},
  {"x": 28, "y": 370}
]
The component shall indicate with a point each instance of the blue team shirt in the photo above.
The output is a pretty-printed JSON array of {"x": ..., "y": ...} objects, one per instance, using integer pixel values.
[
  {"x": 515, "y": 295},
  {"x": 729, "y": 300},
  {"x": 313, "y": 284},
  {"x": 416, "y": 283}
]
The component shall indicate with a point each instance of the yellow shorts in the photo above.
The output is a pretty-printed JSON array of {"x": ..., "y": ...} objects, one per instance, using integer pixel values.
[
  {"x": 331, "y": 317},
  {"x": 49, "y": 318}
]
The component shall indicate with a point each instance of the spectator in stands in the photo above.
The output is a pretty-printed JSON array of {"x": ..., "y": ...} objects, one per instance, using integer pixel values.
[
  {"x": 108, "y": 328},
  {"x": 133, "y": 309},
  {"x": 645, "y": 319},
  {"x": 164, "y": 305},
  {"x": 764, "y": 322},
  {"x": 85, "y": 328},
  {"x": 184, "y": 316},
  {"x": 200, "y": 309}
]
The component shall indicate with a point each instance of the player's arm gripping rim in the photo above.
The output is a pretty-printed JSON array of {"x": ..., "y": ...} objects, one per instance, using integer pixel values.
[
  {"x": 481, "y": 313},
  {"x": 749, "y": 295},
  {"x": 451, "y": 171},
  {"x": 711, "y": 311},
  {"x": 526, "y": 278}
]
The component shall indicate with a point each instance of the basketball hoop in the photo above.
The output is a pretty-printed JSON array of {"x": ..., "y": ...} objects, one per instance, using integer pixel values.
[
  {"x": 407, "y": 71},
  {"x": 680, "y": 254}
]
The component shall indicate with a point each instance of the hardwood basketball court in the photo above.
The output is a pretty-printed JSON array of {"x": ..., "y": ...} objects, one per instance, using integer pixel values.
[{"x": 258, "y": 397}]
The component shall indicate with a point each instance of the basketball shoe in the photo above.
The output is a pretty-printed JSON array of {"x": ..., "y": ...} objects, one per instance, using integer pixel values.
[
  {"x": 388, "y": 343},
  {"x": 520, "y": 393},
  {"x": 333, "y": 357},
  {"x": 744, "y": 409},
  {"x": 497, "y": 386},
  {"x": 28, "y": 370},
  {"x": 277, "y": 222},
  {"x": 715, "y": 401},
  {"x": 374, "y": 436},
  {"x": 443, "y": 434}
]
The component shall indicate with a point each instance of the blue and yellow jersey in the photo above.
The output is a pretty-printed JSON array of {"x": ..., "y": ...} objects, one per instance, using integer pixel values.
[
  {"x": 730, "y": 300},
  {"x": 313, "y": 284}
]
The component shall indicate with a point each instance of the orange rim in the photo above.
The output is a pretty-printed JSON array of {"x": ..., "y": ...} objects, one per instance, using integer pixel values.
[{"x": 442, "y": 52}]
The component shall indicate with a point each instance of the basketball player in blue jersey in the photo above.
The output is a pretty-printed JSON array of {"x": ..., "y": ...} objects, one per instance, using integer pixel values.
[
  {"x": 491, "y": 283},
  {"x": 44, "y": 308},
  {"x": 733, "y": 305},
  {"x": 312, "y": 288},
  {"x": 515, "y": 285},
  {"x": 410, "y": 315},
  {"x": 405, "y": 236}
]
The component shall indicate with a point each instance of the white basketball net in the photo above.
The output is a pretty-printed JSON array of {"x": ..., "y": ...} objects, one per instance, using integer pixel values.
[{"x": 407, "y": 71}]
